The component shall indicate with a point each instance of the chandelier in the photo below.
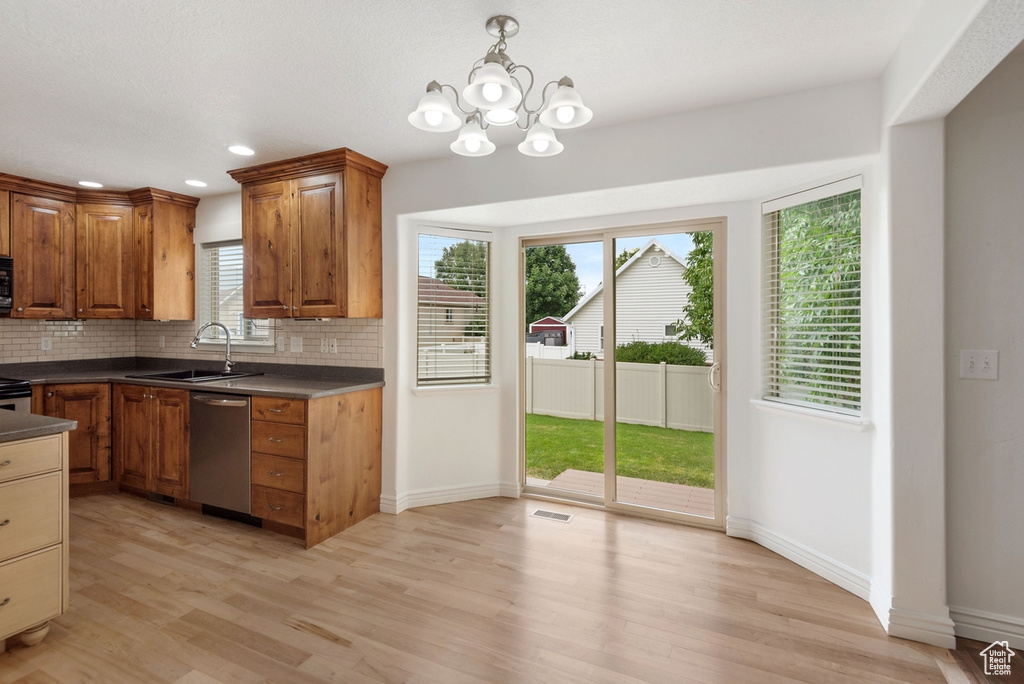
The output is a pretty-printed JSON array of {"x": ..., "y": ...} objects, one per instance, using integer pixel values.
[{"x": 495, "y": 96}]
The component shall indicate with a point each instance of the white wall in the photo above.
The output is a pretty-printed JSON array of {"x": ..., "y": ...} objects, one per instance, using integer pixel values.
[{"x": 985, "y": 310}]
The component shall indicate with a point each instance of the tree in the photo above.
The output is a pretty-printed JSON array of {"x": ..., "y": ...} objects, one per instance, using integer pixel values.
[
  {"x": 463, "y": 266},
  {"x": 552, "y": 287},
  {"x": 624, "y": 256},
  {"x": 698, "y": 321}
]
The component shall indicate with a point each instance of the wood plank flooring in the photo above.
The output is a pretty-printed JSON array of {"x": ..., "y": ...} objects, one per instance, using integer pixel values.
[{"x": 469, "y": 592}]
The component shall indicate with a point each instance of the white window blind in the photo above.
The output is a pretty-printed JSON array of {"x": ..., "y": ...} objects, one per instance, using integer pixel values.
[
  {"x": 220, "y": 295},
  {"x": 812, "y": 327},
  {"x": 453, "y": 344}
]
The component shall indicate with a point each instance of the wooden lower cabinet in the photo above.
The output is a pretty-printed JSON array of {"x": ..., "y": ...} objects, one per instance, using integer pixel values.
[
  {"x": 34, "y": 542},
  {"x": 89, "y": 449},
  {"x": 316, "y": 463},
  {"x": 151, "y": 432}
]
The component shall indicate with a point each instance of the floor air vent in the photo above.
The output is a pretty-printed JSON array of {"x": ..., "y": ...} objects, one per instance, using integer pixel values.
[{"x": 551, "y": 515}]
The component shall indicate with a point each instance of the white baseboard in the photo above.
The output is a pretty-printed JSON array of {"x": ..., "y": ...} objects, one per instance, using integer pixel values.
[
  {"x": 840, "y": 574},
  {"x": 936, "y": 630},
  {"x": 442, "y": 495},
  {"x": 988, "y": 627}
]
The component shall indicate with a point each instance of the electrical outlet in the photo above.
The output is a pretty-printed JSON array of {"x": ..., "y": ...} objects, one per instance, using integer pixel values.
[
  {"x": 162, "y": 341},
  {"x": 323, "y": 345},
  {"x": 979, "y": 364},
  {"x": 296, "y": 344},
  {"x": 280, "y": 344},
  {"x": 334, "y": 345},
  {"x": 46, "y": 343}
]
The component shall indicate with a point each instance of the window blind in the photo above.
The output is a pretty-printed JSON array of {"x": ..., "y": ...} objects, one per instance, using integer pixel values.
[
  {"x": 453, "y": 311},
  {"x": 220, "y": 295},
  {"x": 812, "y": 309}
]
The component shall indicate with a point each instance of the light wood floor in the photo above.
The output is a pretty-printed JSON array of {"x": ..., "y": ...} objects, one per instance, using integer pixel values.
[{"x": 467, "y": 592}]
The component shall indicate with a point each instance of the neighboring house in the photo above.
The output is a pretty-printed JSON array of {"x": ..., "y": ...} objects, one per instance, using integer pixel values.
[
  {"x": 550, "y": 330},
  {"x": 445, "y": 313},
  {"x": 650, "y": 295}
]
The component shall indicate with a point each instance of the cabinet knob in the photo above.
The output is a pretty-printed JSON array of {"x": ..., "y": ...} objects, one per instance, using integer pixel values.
[
  {"x": 269, "y": 472},
  {"x": 21, "y": 308},
  {"x": 270, "y": 506},
  {"x": 5, "y": 523},
  {"x": 276, "y": 410},
  {"x": 283, "y": 306},
  {"x": 81, "y": 310},
  {"x": 295, "y": 308},
  {"x": 49, "y": 394},
  {"x": 275, "y": 441}
]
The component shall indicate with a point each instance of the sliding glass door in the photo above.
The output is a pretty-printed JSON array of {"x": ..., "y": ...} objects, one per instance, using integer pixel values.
[{"x": 646, "y": 435}]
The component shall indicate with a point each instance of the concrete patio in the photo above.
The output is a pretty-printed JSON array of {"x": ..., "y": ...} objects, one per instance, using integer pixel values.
[{"x": 661, "y": 495}]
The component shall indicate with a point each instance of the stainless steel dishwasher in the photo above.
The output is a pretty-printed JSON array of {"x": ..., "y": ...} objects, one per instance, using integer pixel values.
[{"x": 218, "y": 456}]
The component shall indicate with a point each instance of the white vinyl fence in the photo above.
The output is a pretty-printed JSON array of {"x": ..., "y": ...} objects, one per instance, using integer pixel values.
[
  {"x": 676, "y": 397},
  {"x": 543, "y": 351}
]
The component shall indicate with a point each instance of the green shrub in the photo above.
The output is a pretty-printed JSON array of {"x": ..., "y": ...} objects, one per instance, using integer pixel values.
[
  {"x": 582, "y": 356},
  {"x": 672, "y": 353}
]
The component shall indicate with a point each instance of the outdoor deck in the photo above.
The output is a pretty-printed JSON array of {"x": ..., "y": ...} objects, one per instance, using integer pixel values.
[{"x": 663, "y": 495}]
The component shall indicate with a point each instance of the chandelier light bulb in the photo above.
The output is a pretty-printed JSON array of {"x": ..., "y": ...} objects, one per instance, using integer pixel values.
[
  {"x": 491, "y": 92},
  {"x": 501, "y": 117},
  {"x": 565, "y": 114},
  {"x": 472, "y": 141},
  {"x": 434, "y": 118},
  {"x": 566, "y": 109},
  {"x": 541, "y": 145},
  {"x": 540, "y": 142},
  {"x": 473, "y": 145}
]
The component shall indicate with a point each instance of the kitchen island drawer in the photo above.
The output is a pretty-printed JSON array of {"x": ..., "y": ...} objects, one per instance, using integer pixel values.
[
  {"x": 30, "y": 591},
  {"x": 29, "y": 456},
  {"x": 286, "y": 508},
  {"x": 29, "y": 515},
  {"x": 279, "y": 410},
  {"x": 279, "y": 473},
  {"x": 278, "y": 439}
]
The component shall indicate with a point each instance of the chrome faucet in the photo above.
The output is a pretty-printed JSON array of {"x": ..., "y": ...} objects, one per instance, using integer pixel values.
[{"x": 228, "y": 363}]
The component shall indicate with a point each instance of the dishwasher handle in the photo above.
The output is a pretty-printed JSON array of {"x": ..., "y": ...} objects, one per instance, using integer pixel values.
[{"x": 210, "y": 401}]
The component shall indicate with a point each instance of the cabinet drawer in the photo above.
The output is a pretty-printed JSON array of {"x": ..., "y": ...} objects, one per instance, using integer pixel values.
[
  {"x": 29, "y": 515},
  {"x": 279, "y": 410},
  {"x": 278, "y": 439},
  {"x": 29, "y": 457},
  {"x": 286, "y": 508},
  {"x": 30, "y": 591},
  {"x": 279, "y": 473}
]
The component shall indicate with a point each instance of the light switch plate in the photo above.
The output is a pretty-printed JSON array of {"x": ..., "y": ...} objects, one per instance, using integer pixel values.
[
  {"x": 323, "y": 345},
  {"x": 979, "y": 364},
  {"x": 280, "y": 344},
  {"x": 162, "y": 340},
  {"x": 296, "y": 344},
  {"x": 334, "y": 345},
  {"x": 46, "y": 343}
]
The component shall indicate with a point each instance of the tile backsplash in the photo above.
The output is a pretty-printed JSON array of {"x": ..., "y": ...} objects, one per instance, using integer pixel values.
[{"x": 360, "y": 341}]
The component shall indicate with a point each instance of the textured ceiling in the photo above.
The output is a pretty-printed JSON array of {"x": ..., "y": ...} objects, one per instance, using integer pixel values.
[{"x": 133, "y": 93}]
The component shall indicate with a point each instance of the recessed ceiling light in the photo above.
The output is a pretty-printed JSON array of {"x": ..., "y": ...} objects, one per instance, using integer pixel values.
[
  {"x": 90, "y": 184},
  {"x": 242, "y": 150},
  {"x": 195, "y": 183}
]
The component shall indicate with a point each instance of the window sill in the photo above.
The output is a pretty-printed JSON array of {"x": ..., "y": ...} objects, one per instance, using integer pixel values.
[
  {"x": 454, "y": 389},
  {"x": 852, "y": 423},
  {"x": 239, "y": 347}
]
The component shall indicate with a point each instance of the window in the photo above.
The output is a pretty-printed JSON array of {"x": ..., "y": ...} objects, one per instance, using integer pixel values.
[
  {"x": 220, "y": 296},
  {"x": 812, "y": 298},
  {"x": 670, "y": 330},
  {"x": 600, "y": 337},
  {"x": 453, "y": 345}
]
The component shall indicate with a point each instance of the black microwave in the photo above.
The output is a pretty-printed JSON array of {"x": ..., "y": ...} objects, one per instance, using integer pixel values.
[{"x": 6, "y": 284}]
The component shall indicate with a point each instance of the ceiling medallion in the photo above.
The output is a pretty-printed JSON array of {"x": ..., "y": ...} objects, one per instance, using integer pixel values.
[{"x": 495, "y": 96}]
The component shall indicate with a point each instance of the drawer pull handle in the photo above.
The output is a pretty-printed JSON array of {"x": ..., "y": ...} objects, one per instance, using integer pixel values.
[
  {"x": 5, "y": 463},
  {"x": 275, "y": 508},
  {"x": 275, "y": 441},
  {"x": 5, "y": 602},
  {"x": 269, "y": 472},
  {"x": 276, "y": 410},
  {"x": 5, "y": 523}
]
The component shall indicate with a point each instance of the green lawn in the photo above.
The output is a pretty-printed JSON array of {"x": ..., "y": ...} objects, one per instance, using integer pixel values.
[{"x": 554, "y": 445}]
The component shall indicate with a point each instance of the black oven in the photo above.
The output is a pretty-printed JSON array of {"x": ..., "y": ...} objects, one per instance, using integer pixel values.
[
  {"x": 6, "y": 284},
  {"x": 15, "y": 395}
]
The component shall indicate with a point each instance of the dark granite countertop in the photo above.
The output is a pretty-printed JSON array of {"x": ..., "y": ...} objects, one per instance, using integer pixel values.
[
  {"x": 16, "y": 425},
  {"x": 277, "y": 380}
]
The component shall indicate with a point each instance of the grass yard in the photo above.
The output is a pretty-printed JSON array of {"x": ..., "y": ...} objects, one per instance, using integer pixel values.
[{"x": 554, "y": 445}]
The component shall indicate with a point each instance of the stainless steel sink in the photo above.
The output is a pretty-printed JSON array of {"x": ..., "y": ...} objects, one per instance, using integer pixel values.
[{"x": 191, "y": 375}]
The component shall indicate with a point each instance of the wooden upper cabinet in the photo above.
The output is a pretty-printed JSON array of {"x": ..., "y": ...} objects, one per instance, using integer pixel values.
[
  {"x": 311, "y": 236},
  {"x": 5, "y": 223},
  {"x": 165, "y": 257},
  {"x": 43, "y": 248},
  {"x": 266, "y": 235},
  {"x": 103, "y": 262}
]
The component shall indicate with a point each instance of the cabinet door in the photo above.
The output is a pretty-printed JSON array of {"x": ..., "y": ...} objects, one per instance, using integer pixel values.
[
  {"x": 5, "y": 223},
  {"x": 131, "y": 414},
  {"x": 170, "y": 442},
  {"x": 43, "y": 247},
  {"x": 363, "y": 251},
  {"x": 103, "y": 262},
  {"x": 318, "y": 267},
  {"x": 88, "y": 446},
  {"x": 143, "y": 261},
  {"x": 267, "y": 246}
]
